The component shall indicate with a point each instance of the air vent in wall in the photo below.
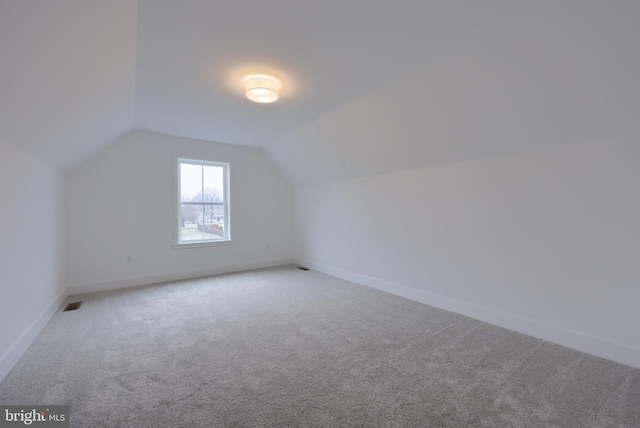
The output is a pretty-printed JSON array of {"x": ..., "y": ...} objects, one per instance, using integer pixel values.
[
  {"x": 72, "y": 306},
  {"x": 302, "y": 268}
]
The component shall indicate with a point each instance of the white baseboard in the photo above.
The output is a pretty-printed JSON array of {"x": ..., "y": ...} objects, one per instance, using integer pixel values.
[
  {"x": 173, "y": 276},
  {"x": 20, "y": 346},
  {"x": 597, "y": 346}
]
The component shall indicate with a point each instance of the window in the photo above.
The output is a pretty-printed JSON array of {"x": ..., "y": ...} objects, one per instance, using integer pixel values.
[{"x": 203, "y": 201}]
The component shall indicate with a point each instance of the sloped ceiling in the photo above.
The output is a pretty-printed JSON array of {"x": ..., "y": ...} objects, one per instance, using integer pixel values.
[
  {"x": 561, "y": 74},
  {"x": 192, "y": 56},
  {"x": 67, "y": 71},
  {"x": 368, "y": 86}
]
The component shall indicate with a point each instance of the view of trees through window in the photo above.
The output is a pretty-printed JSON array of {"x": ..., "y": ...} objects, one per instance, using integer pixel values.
[{"x": 202, "y": 201}]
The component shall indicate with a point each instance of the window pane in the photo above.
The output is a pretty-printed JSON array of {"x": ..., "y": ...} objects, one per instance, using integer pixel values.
[
  {"x": 202, "y": 222},
  {"x": 192, "y": 219},
  {"x": 202, "y": 197},
  {"x": 190, "y": 182},
  {"x": 213, "y": 231},
  {"x": 214, "y": 221},
  {"x": 213, "y": 183}
]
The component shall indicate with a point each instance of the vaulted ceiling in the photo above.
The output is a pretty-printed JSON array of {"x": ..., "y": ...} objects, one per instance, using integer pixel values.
[
  {"x": 368, "y": 86},
  {"x": 66, "y": 76}
]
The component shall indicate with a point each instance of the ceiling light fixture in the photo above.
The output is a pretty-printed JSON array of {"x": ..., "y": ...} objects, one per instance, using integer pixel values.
[{"x": 262, "y": 89}]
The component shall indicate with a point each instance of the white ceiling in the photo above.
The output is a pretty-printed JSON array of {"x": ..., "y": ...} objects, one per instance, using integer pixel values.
[
  {"x": 192, "y": 56},
  {"x": 67, "y": 73},
  {"x": 493, "y": 77},
  {"x": 564, "y": 76}
]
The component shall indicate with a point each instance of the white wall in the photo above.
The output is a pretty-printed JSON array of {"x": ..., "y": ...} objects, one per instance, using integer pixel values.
[
  {"x": 121, "y": 203},
  {"x": 545, "y": 242},
  {"x": 31, "y": 263}
]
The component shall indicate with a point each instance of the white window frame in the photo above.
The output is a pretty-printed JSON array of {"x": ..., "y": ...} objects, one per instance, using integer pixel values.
[{"x": 226, "y": 239}]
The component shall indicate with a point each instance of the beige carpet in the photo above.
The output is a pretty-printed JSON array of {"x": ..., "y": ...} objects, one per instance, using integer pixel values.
[{"x": 282, "y": 347}]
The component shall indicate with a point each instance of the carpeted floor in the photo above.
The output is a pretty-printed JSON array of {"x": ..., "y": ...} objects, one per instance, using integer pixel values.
[{"x": 282, "y": 347}]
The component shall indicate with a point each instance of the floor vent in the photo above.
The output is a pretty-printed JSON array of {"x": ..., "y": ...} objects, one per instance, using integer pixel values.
[
  {"x": 72, "y": 306},
  {"x": 302, "y": 268}
]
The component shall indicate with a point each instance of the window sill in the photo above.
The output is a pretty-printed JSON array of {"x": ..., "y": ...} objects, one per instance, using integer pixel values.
[{"x": 188, "y": 245}]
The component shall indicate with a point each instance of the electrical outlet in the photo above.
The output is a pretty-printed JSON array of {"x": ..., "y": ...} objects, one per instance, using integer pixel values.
[
  {"x": 408, "y": 264},
  {"x": 129, "y": 259}
]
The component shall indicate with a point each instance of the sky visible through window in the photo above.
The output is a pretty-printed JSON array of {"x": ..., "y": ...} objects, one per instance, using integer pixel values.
[
  {"x": 191, "y": 181},
  {"x": 202, "y": 209}
]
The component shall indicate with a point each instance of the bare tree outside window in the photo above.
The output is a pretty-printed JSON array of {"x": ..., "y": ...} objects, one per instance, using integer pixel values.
[{"x": 203, "y": 204}]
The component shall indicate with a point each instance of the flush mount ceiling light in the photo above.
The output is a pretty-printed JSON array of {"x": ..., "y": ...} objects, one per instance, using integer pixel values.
[{"x": 262, "y": 89}]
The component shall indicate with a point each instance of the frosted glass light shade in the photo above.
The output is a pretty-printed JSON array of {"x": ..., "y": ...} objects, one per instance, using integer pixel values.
[{"x": 262, "y": 89}]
